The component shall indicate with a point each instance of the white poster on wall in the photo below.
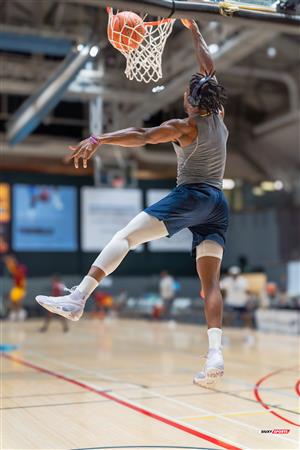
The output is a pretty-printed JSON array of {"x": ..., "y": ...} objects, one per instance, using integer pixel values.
[
  {"x": 180, "y": 242},
  {"x": 104, "y": 212},
  {"x": 278, "y": 321},
  {"x": 293, "y": 278}
]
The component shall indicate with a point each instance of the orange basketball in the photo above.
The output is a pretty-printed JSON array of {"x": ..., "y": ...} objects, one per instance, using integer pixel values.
[{"x": 126, "y": 31}]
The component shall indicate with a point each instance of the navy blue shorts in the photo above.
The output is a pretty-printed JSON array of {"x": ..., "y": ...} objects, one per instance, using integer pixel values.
[{"x": 201, "y": 208}]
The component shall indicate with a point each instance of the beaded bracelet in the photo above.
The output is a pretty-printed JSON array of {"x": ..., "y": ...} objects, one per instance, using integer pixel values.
[{"x": 93, "y": 139}]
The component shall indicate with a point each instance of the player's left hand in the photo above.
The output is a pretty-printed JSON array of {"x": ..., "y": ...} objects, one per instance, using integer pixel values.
[{"x": 84, "y": 150}]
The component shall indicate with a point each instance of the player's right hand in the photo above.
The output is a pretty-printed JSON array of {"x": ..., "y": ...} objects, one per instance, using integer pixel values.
[{"x": 84, "y": 150}]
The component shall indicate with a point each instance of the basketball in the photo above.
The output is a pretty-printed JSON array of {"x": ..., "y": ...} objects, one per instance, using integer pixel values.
[{"x": 126, "y": 31}]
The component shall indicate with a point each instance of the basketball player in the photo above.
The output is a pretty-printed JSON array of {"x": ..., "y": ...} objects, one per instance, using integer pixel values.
[{"x": 197, "y": 203}]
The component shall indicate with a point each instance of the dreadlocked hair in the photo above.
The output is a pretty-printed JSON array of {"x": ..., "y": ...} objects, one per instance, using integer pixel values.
[{"x": 206, "y": 93}]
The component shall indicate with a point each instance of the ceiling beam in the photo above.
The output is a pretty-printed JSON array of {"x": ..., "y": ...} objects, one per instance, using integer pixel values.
[
  {"x": 77, "y": 92},
  {"x": 37, "y": 107},
  {"x": 232, "y": 51},
  {"x": 45, "y": 32},
  {"x": 271, "y": 75},
  {"x": 276, "y": 22},
  {"x": 34, "y": 44},
  {"x": 108, "y": 93}
]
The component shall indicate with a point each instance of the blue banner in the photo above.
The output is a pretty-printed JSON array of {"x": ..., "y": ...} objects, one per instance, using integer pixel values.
[{"x": 44, "y": 218}]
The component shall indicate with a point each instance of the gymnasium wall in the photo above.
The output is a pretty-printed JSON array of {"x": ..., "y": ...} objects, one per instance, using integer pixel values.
[
  {"x": 253, "y": 235},
  {"x": 47, "y": 263}
]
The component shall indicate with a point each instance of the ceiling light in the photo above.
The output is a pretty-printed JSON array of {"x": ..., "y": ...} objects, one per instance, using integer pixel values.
[
  {"x": 213, "y": 48},
  {"x": 157, "y": 89},
  {"x": 228, "y": 184},
  {"x": 257, "y": 191},
  {"x": 94, "y": 51},
  {"x": 278, "y": 185},
  {"x": 267, "y": 186},
  {"x": 271, "y": 186},
  {"x": 271, "y": 52}
]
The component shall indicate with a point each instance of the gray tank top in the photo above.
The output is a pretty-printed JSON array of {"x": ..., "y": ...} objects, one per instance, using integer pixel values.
[{"x": 204, "y": 160}]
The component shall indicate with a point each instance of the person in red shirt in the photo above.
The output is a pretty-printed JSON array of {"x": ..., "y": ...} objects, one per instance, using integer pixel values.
[{"x": 18, "y": 273}]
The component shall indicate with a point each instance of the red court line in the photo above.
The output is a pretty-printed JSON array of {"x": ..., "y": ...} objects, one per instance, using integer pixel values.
[
  {"x": 263, "y": 404},
  {"x": 128, "y": 404},
  {"x": 297, "y": 387}
]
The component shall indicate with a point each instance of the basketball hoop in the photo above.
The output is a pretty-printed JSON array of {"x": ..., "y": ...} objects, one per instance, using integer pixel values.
[{"x": 142, "y": 43}]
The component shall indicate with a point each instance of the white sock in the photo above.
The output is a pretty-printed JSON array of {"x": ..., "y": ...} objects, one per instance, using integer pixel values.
[
  {"x": 214, "y": 338},
  {"x": 87, "y": 286}
]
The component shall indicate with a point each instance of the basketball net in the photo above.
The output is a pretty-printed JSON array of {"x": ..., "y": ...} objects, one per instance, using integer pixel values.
[{"x": 144, "y": 63}]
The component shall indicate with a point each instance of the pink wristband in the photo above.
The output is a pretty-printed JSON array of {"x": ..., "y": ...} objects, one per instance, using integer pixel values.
[{"x": 93, "y": 139}]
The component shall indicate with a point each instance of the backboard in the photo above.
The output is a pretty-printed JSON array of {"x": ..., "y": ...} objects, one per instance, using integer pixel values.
[
  {"x": 269, "y": 3},
  {"x": 256, "y": 5}
]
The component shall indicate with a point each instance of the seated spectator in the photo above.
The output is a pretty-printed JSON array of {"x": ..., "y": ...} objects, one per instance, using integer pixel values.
[{"x": 237, "y": 300}]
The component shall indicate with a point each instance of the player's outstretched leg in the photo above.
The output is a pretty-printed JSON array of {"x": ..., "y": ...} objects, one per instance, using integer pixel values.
[
  {"x": 209, "y": 257},
  {"x": 143, "y": 228}
]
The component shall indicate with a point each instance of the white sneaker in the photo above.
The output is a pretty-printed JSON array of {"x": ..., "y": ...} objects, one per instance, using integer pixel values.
[
  {"x": 213, "y": 369},
  {"x": 70, "y": 306}
]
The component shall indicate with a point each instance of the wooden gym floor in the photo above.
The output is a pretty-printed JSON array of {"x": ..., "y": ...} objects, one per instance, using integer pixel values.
[{"x": 127, "y": 384}]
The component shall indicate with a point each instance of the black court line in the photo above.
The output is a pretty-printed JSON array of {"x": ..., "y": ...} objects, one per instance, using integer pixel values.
[
  {"x": 219, "y": 392},
  {"x": 149, "y": 397},
  {"x": 130, "y": 405},
  {"x": 9, "y": 397},
  {"x": 212, "y": 390},
  {"x": 209, "y": 391},
  {"x": 45, "y": 405},
  {"x": 146, "y": 446},
  {"x": 189, "y": 384},
  {"x": 231, "y": 394},
  {"x": 60, "y": 393},
  {"x": 87, "y": 375},
  {"x": 144, "y": 386}
]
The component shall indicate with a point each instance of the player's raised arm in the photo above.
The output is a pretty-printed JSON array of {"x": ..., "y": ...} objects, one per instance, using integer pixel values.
[
  {"x": 205, "y": 61},
  {"x": 130, "y": 137}
]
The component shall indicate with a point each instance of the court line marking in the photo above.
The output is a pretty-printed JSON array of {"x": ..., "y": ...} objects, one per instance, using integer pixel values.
[
  {"x": 238, "y": 413},
  {"x": 42, "y": 405},
  {"x": 297, "y": 388},
  {"x": 229, "y": 361},
  {"x": 100, "y": 375},
  {"x": 252, "y": 400},
  {"x": 145, "y": 446},
  {"x": 47, "y": 405},
  {"x": 263, "y": 404},
  {"x": 124, "y": 402},
  {"x": 10, "y": 397},
  {"x": 219, "y": 416},
  {"x": 250, "y": 386},
  {"x": 148, "y": 397},
  {"x": 150, "y": 390},
  {"x": 169, "y": 399}
]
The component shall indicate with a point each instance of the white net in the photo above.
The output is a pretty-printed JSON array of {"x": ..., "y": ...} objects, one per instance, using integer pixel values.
[{"x": 142, "y": 44}]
